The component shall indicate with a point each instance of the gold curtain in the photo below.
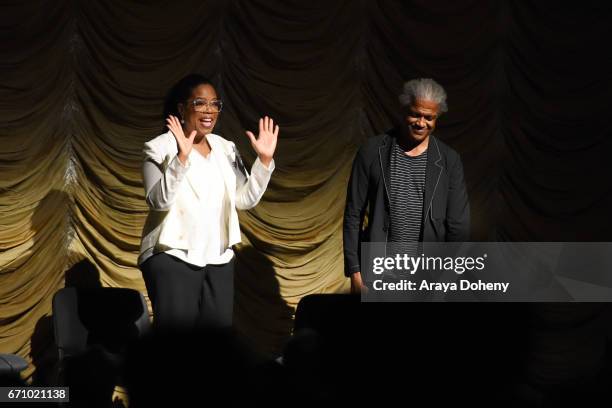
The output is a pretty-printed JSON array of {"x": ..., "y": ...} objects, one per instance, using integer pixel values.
[{"x": 81, "y": 90}]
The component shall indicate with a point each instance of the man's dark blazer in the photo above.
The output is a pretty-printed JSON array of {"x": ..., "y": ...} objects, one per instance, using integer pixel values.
[{"x": 446, "y": 213}]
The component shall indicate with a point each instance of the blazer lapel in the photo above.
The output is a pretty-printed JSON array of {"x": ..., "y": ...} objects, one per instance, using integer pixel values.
[
  {"x": 384, "y": 155},
  {"x": 432, "y": 174}
]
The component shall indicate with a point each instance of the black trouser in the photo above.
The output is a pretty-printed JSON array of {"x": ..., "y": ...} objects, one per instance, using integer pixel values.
[{"x": 187, "y": 296}]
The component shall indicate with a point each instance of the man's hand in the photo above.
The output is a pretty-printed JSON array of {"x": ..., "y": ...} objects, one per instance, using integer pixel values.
[{"x": 357, "y": 286}]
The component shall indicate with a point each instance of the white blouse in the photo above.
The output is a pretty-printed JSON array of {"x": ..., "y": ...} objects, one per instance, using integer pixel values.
[
  {"x": 211, "y": 213},
  {"x": 210, "y": 188}
]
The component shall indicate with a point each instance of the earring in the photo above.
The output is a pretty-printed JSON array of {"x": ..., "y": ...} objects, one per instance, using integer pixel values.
[{"x": 182, "y": 121}]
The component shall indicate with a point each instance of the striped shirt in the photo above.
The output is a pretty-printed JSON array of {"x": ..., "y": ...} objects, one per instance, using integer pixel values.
[{"x": 407, "y": 188}]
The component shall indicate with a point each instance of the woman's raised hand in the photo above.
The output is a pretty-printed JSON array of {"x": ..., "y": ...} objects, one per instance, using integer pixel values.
[
  {"x": 265, "y": 144},
  {"x": 183, "y": 143}
]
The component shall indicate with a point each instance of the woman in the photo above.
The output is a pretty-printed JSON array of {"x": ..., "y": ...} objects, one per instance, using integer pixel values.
[{"x": 194, "y": 181}]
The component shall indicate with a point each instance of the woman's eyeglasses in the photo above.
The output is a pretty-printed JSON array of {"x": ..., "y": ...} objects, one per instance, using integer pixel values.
[{"x": 202, "y": 105}]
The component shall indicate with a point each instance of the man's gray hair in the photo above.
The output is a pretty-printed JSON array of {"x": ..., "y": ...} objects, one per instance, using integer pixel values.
[{"x": 425, "y": 89}]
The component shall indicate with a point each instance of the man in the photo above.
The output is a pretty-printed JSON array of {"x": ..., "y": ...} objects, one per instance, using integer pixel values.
[{"x": 411, "y": 182}]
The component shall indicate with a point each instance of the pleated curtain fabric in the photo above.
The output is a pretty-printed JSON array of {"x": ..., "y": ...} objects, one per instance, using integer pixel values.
[{"x": 81, "y": 90}]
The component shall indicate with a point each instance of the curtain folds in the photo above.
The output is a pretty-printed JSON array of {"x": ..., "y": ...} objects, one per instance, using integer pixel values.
[{"x": 81, "y": 90}]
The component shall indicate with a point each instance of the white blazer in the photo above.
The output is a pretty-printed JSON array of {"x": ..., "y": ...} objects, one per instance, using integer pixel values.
[{"x": 174, "y": 220}]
